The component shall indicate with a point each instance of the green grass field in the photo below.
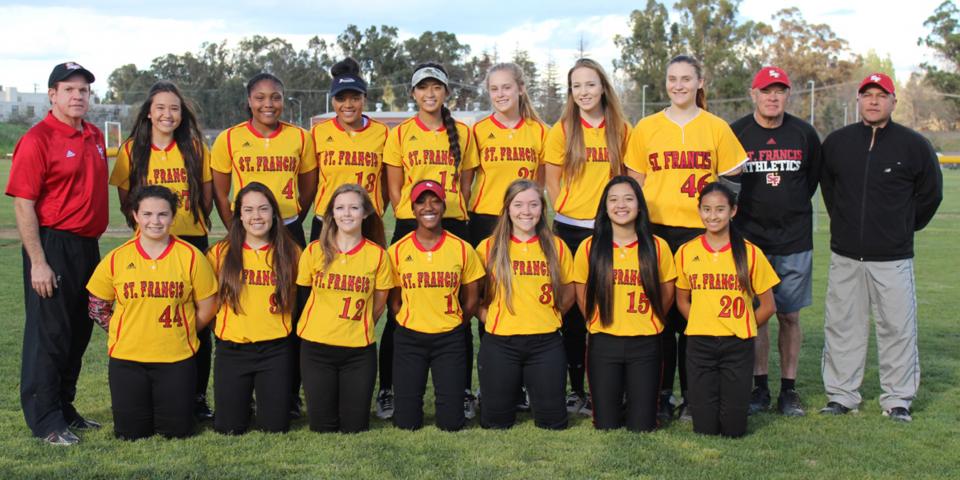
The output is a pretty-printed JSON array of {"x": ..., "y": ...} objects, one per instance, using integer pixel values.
[{"x": 865, "y": 445}]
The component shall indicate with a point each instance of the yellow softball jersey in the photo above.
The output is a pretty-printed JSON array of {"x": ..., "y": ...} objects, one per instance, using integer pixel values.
[
  {"x": 154, "y": 318},
  {"x": 260, "y": 319},
  {"x": 424, "y": 154},
  {"x": 340, "y": 308},
  {"x": 679, "y": 161},
  {"x": 430, "y": 281},
  {"x": 505, "y": 153},
  {"x": 166, "y": 167},
  {"x": 579, "y": 197},
  {"x": 718, "y": 305},
  {"x": 349, "y": 157},
  {"x": 633, "y": 314},
  {"x": 275, "y": 160},
  {"x": 534, "y": 305}
]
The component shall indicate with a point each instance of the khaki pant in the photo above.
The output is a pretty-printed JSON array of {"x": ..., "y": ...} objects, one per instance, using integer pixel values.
[{"x": 854, "y": 288}]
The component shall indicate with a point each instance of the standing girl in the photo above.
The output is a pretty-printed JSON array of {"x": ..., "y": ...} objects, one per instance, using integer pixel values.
[
  {"x": 166, "y": 148},
  {"x": 625, "y": 284},
  {"x": 583, "y": 150},
  {"x": 350, "y": 278},
  {"x": 527, "y": 290},
  {"x": 509, "y": 145},
  {"x": 431, "y": 145},
  {"x": 673, "y": 154},
  {"x": 151, "y": 294},
  {"x": 256, "y": 264},
  {"x": 349, "y": 145},
  {"x": 264, "y": 149},
  {"x": 437, "y": 293},
  {"x": 720, "y": 278}
]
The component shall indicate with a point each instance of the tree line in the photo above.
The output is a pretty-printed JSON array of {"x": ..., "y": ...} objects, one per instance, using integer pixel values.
[{"x": 730, "y": 49}]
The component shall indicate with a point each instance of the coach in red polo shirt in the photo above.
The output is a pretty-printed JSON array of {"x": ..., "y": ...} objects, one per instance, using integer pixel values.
[{"x": 59, "y": 183}]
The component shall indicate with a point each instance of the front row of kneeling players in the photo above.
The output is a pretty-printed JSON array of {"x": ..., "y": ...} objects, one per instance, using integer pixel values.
[{"x": 155, "y": 291}]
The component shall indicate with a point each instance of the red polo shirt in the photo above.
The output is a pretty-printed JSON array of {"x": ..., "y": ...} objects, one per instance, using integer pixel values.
[{"x": 65, "y": 171}]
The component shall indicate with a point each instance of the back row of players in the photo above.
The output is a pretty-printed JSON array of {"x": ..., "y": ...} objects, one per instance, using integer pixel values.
[{"x": 450, "y": 183}]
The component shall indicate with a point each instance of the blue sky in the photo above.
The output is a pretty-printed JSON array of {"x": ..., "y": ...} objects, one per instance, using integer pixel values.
[{"x": 107, "y": 34}]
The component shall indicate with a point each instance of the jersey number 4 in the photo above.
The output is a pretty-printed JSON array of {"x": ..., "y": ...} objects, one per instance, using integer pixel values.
[
  {"x": 167, "y": 320},
  {"x": 693, "y": 186}
]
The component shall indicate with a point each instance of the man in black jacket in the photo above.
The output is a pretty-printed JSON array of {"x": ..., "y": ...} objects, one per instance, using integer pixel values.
[
  {"x": 776, "y": 214},
  {"x": 881, "y": 182}
]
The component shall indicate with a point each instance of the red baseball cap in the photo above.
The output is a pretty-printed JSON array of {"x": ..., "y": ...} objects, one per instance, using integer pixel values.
[
  {"x": 879, "y": 79},
  {"x": 770, "y": 75},
  {"x": 427, "y": 186}
]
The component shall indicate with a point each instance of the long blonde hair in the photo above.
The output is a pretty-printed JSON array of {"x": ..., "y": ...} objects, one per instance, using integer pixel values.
[
  {"x": 499, "y": 263},
  {"x": 614, "y": 118},
  {"x": 527, "y": 112},
  {"x": 371, "y": 228}
]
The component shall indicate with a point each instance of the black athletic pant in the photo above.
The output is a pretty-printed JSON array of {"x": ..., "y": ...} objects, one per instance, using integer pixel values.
[
  {"x": 338, "y": 382},
  {"x": 205, "y": 351},
  {"x": 674, "y": 341},
  {"x": 315, "y": 228},
  {"x": 240, "y": 369},
  {"x": 481, "y": 227},
  {"x": 56, "y": 332},
  {"x": 151, "y": 398},
  {"x": 400, "y": 230},
  {"x": 721, "y": 372},
  {"x": 508, "y": 361},
  {"x": 618, "y": 365},
  {"x": 442, "y": 356},
  {"x": 574, "y": 328},
  {"x": 303, "y": 293}
]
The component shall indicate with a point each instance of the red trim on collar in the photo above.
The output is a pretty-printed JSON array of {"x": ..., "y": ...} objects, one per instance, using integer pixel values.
[
  {"x": 416, "y": 243},
  {"x": 500, "y": 125},
  {"x": 424, "y": 127},
  {"x": 532, "y": 239},
  {"x": 169, "y": 147},
  {"x": 629, "y": 245},
  {"x": 259, "y": 135},
  {"x": 336, "y": 123},
  {"x": 706, "y": 245},
  {"x": 262, "y": 249},
  {"x": 603, "y": 123},
  {"x": 143, "y": 253},
  {"x": 356, "y": 248}
]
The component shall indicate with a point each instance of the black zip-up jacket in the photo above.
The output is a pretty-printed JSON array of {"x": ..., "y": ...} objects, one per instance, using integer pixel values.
[{"x": 880, "y": 185}]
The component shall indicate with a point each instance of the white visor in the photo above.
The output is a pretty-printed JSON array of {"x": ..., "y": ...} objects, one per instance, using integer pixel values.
[{"x": 428, "y": 72}]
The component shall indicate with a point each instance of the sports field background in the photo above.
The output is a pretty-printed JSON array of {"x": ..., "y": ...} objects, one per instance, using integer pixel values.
[{"x": 865, "y": 445}]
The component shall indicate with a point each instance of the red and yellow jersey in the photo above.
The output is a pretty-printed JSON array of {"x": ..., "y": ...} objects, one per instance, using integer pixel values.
[
  {"x": 633, "y": 314},
  {"x": 579, "y": 197},
  {"x": 534, "y": 306},
  {"x": 679, "y": 161},
  {"x": 275, "y": 160},
  {"x": 505, "y": 153},
  {"x": 430, "y": 281},
  {"x": 424, "y": 154},
  {"x": 259, "y": 319},
  {"x": 718, "y": 306},
  {"x": 340, "y": 308},
  {"x": 166, "y": 167},
  {"x": 349, "y": 157},
  {"x": 154, "y": 319}
]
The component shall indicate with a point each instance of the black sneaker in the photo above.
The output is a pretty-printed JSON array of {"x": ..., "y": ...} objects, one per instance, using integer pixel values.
[
  {"x": 385, "y": 404},
  {"x": 80, "y": 423},
  {"x": 587, "y": 408},
  {"x": 469, "y": 405},
  {"x": 759, "y": 400},
  {"x": 665, "y": 407},
  {"x": 62, "y": 438},
  {"x": 788, "y": 403},
  {"x": 834, "y": 408},
  {"x": 296, "y": 408},
  {"x": 201, "y": 411},
  {"x": 898, "y": 414}
]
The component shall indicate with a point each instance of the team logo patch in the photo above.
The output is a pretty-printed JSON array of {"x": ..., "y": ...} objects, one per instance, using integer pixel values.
[
  {"x": 329, "y": 139},
  {"x": 70, "y": 154},
  {"x": 774, "y": 73},
  {"x": 246, "y": 144},
  {"x": 491, "y": 136},
  {"x": 771, "y": 141},
  {"x": 413, "y": 138},
  {"x": 408, "y": 259},
  {"x": 696, "y": 258},
  {"x": 773, "y": 179},
  {"x": 131, "y": 266}
]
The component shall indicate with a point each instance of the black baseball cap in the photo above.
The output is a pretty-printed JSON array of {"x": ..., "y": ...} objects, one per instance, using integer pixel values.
[
  {"x": 348, "y": 82},
  {"x": 65, "y": 70}
]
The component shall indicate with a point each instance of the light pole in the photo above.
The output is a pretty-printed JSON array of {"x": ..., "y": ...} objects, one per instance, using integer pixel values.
[
  {"x": 643, "y": 101},
  {"x": 299, "y": 110},
  {"x": 812, "y": 88}
]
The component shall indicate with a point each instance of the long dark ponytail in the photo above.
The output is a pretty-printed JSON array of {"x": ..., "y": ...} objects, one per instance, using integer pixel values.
[
  {"x": 737, "y": 245},
  {"x": 600, "y": 274},
  {"x": 189, "y": 141},
  {"x": 449, "y": 123}
]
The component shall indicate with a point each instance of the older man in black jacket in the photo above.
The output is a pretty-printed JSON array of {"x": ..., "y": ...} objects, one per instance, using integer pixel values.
[{"x": 881, "y": 182}]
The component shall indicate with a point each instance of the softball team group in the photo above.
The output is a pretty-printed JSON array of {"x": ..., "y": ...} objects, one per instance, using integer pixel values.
[{"x": 641, "y": 274}]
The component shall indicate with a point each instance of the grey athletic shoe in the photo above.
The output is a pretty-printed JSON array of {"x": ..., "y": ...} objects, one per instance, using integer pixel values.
[
  {"x": 523, "y": 404},
  {"x": 574, "y": 402},
  {"x": 469, "y": 405},
  {"x": 759, "y": 400},
  {"x": 898, "y": 414},
  {"x": 62, "y": 438},
  {"x": 385, "y": 404},
  {"x": 788, "y": 403},
  {"x": 834, "y": 408}
]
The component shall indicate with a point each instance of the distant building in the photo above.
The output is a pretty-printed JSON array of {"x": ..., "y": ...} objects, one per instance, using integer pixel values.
[{"x": 32, "y": 107}]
